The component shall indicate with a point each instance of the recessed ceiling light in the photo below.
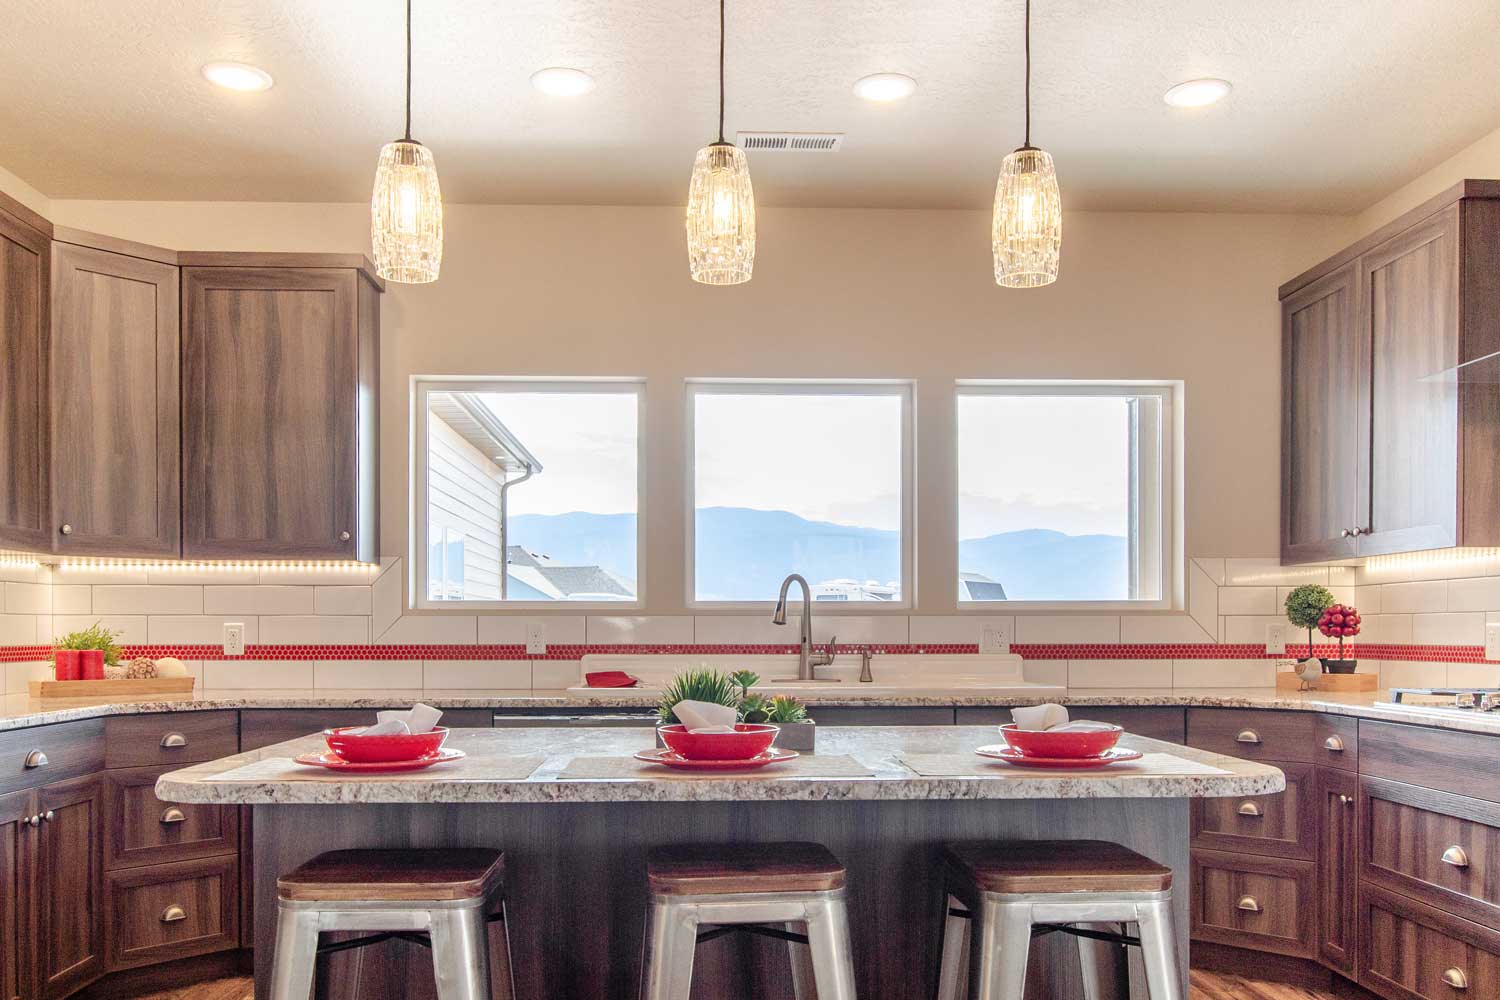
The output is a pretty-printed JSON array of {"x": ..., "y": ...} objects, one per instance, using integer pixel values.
[
  {"x": 1197, "y": 93},
  {"x": 237, "y": 76},
  {"x": 885, "y": 86},
  {"x": 562, "y": 81}
]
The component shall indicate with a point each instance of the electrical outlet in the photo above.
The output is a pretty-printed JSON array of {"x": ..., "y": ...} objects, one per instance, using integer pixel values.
[
  {"x": 994, "y": 639},
  {"x": 1276, "y": 638},
  {"x": 1492, "y": 641},
  {"x": 234, "y": 638},
  {"x": 536, "y": 637}
]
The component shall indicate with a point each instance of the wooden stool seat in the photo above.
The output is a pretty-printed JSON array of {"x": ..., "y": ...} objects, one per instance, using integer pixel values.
[
  {"x": 402, "y": 875},
  {"x": 1045, "y": 866},
  {"x": 711, "y": 869}
]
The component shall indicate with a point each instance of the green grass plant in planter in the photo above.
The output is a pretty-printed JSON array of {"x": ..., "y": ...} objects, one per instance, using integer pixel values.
[
  {"x": 698, "y": 685},
  {"x": 96, "y": 636},
  {"x": 786, "y": 710},
  {"x": 755, "y": 708},
  {"x": 1305, "y": 606}
]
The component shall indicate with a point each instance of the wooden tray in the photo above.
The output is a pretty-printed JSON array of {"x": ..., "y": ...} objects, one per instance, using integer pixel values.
[
  {"x": 1288, "y": 681},
  {"x": 135, "y": 688}
]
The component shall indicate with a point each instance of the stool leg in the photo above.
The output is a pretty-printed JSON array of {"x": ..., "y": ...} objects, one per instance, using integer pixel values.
[
  {"x": 1088, "y": 961},
  {"x": 1001, "y": 947},
  {"x": 1158, "y": 930},
  {"x": 296, "y": 954},
  {"x": 671, "y": 938},
  {"x": 460, "y": 954},
  {"x": 832, "y": 954},
  {"x": 803, "y": 982},
  {"x": 955, "y": 953}
]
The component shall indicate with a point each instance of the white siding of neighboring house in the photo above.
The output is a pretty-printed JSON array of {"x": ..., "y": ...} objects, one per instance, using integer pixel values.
[{"x": 465, "y": 496}]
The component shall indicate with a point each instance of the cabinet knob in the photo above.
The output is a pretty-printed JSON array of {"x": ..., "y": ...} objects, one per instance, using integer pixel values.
[
  {"x": 48, "y": 816},
  {"x": 1346, "y": 533},
  {"x": 32, "y": 821},
  {"x": 172, "y": 815},
  {"x": 66, "y": 529},
  {"x": 1334, "y": 744},
  {"x": 1359, "y": 531},
  {"x": 343, "y": 536},
  {"x": 1347, "y": 800},
  {"x": 1247, "y": 736},
  {"x": 1249, "y": 809},
  {"x": 35, "y": 759},
  {"x": 1456, "y": 856},
  {"x": 1249, "y": 904},
  {"x": 173, "y": 913},
  {"x": 173, "y": 741},
  {"x": 1456, "y": 978}
]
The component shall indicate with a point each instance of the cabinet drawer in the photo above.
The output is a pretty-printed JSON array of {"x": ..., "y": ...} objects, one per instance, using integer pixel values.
[
  {"x": 40, "y": 756},
  {"x": 1336, "y": 741},
  {"x": 1440, "y": 848},
  {"x": 1282, "y": 825},
  {"x": 170, "y": 738},
  {"x": 1252, "y": 733},
  {"x": 1413, "y": 952},
  {"x": 171, "y": 911},
  {"x": 1262, "y": 903},
  {"x": 1461, "y": 763},
  {"x": 143, "y": 830}
]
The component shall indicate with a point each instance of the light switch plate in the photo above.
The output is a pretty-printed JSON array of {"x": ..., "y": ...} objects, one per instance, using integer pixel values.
[
  {"x": 1276, "y": 638},
  {"x": 1492, "y": 641},
  {"x": 536, "y": 638},
  {"x": 234, "y": 638},
  {"x": 994, "y": 639}
]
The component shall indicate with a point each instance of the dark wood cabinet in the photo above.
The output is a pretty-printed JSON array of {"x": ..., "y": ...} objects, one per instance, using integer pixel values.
[
  {"x": 278, "y": 406},
  {"x": 1283, "y": 825},
  {"x": 143, "y": 830},
  {"x": 172, "y": 911},
  {"x": 1409, "y": 951},
  {"x": 115, "y": 464},
  {"x": 68, "y": 874},
  {"x": 16, "y": 835},
  {"x": 1264, "y": 903},
  {"x": 1338, "y": 828},
  {"x": 25, "y": 266}
]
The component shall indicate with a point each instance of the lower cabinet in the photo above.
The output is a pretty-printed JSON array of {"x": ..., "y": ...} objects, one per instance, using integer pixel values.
[
  {"x": 1268, "y": 904},
  {"x": 1410, "y": 951},
  {"x": 16, "y": 836},
  {"x": 68, "y": 874},
  {"x": 1282, "y": 825},
  {"x": 1338, "y": 905},
  {"x": 172, "y": 911}
]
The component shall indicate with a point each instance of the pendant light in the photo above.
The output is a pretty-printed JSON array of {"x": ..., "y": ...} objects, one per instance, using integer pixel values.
[
  {"x": 406, "y": 210},
  {"x": 721, "y": 205},
  {"x": 1027, "y": 228}
]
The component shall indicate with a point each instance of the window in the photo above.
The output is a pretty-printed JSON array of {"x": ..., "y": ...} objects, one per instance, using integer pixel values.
[
  {"x": 528, "y": 492},
  {"x": 1064, "y": 492},
  {"x": 800, "y": 478}
]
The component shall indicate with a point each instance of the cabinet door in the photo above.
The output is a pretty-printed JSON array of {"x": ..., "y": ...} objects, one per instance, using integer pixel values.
[
  {"x": 15, "y": 895},
  {"x": 1338, "y": 909},
  {"x": 270, "y": 425},
  {"x": 1320, "y": 419},
  {"x": 25, "y": 266},
  {"x": 115, "y": 420},
  {"x": 69, "y": 915},
  {"x": 1409, "y": 319}
]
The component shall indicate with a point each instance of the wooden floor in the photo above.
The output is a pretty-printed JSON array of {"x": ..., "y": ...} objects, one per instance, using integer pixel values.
[{"x": 1206, "y": 986}]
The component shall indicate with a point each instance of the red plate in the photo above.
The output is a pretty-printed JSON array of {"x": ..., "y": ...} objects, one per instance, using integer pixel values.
[
  {"x": 334, "y": 762},
  {"x": 1011, "y": 755},
  {"x": 671, "y": 758}
]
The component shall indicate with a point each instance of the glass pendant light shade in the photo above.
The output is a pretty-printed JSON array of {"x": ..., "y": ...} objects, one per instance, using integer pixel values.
[
  {"x": 1027, "y": 227},
  {"x": 721, "y": 217},
  {"x": 406, "y": 214}
]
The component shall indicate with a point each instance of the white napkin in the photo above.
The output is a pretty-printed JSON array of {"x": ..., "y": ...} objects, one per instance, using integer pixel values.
[
  {"x": 419, "y": 718},
  {"x": 1084, "y": 726},
  {"x": 1054, "y": 718},
  {"x": 705, "y": 717},
  {"x": 389, "y": 727}
]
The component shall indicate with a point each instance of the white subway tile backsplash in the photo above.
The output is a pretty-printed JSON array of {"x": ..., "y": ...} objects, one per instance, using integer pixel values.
[
  {"x": 243, "y": 674},
  {"x": 219, "y": 576},
  {"x": 950, "y": 630},
  {"x": 1053, "y": 672},
  {"x": 1414, "y": 598},
  {"x": 1405, "y": 673},
  {"x": 1474, "y": 675},
  {"x": 481, "y": 675},
  {"x": 554, "y": 675},
  {"x": 72, "y": 599},
  {"x": 1212, "y": 568},
  {"x": 385, "y": 603},
  {"x": 1390, "y": 629},
  {"x": 17, "y": 677},
  {"x": 342, "y": 600},
  {"x": 1161, "y": 628},
  {"x": 638, "y": 630},
  {"x": 28, "y": 598},
  {"x": 510, "y": 630},
  {"x": 18, "y": 630},
  {"x": 83, "y": 573},
  {"x": 1119, "y": 673},
  {"x": 1479, "y": 594},
  {"x": 1223, "y": 673},
  {"x": 289, "y": 630},
  {"x": 1247, "y": 600},
  {"x": 1203, "y": 597},
  {"x": 130, "y": 630},
  {"x": 318, "y": 576},
  {"x": 1449, "y": 629},
  {"x": 198, "y": 630},
  {"x": 1090, "y": 629},
  {"x": 739, "y": 630},
  {"x": 257, "y": 600},
  {"x": 368, "y": 675},
  {"x": 1367, "y": 600},
  {"x": 1251, "y": 629},
  {"x": 1270, "y": 573},
  {"x": 148, "y": 600},
  {"x": 437, "y": 629},
  {"x": 849, "y": 629}
]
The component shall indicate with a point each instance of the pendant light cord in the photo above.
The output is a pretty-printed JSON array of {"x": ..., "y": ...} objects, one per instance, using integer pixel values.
[
  {"x": 1027, "y": 37},
  {"x": 408, "y": 70},
  {"x": 721, "y": 69}
]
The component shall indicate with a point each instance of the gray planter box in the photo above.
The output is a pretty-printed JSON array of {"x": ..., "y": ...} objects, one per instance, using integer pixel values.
[{"x": 801, "y": 736}]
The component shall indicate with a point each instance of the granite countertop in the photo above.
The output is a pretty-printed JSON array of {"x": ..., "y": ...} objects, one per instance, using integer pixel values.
[
  {"x": 495, "y": 771},
  {"x": 21, "y": 711}
]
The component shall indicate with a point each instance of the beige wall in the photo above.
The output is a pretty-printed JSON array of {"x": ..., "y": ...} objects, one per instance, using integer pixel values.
[
  {"x": 1481, "y": 160},
  {"x": 24, "y": 193}
]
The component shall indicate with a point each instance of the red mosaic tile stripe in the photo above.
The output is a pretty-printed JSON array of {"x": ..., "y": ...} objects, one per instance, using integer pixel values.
[{"x": 22, "y": 654}]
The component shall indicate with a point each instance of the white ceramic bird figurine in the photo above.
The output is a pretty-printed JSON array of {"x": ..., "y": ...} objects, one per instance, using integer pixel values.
[{"x": 1308, "y": 671}]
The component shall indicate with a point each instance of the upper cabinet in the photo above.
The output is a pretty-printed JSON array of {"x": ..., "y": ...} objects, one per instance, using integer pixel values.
[
  {"x": 278, "y": 408},
  {"x": 1390, "y": 412},
  {"x": 25, "y": 262},
  {"x": 116, "y": 484}
]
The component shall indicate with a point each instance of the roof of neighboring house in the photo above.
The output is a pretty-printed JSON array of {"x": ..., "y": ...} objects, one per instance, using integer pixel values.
[
  {"x": 544, "y": 574},
  {"x": 477, "y": 424},
  {"x": 979, "y": 587}
]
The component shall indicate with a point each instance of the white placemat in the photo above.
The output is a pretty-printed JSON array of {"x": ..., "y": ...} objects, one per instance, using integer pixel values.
[
  {"x": 805, "y": 766},
  {"x": 285, "y": 769},
  {"x": 954, "y": 765}
]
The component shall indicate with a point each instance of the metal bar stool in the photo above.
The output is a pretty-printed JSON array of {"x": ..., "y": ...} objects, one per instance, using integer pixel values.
[
  {"x": 1003, "y": 894},
  {"x": 702, "y": 892},
  {"x": 443, "y": 899}
]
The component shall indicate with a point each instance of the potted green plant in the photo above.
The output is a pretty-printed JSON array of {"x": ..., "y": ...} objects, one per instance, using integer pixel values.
[
  {"x": 798, "y": 732},
  {"x": 1339, "y": 621},
  {"x": 698, "y": 685},
  {"x": 1305, "y": 606},
  {"x": 96, "y": 648}
]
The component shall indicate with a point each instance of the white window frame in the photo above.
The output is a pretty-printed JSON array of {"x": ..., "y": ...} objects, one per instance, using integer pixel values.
[
  {"x": 904, "y": 389},
  {"x": 421, "y": 387},
  {"x": 1166, "y": 488}
]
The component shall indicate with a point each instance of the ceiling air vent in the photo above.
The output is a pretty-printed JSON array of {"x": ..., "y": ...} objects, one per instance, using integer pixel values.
[{"x": 791, "y": 142}]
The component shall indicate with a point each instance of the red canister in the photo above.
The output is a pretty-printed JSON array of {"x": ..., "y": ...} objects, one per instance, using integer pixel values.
[
  {"x": 91, "y": 664},
  {"x": 65, "y": 664}
]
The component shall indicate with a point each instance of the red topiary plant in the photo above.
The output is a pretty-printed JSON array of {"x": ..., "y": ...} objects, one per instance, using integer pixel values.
[{"x": 1341, "y": 621}]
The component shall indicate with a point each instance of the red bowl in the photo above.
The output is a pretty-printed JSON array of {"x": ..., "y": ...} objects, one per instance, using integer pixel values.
[
  {"x": 1030, "y": 743},
  {"x": 748, "y": 740},
  {"x": 348, "y": 744}
]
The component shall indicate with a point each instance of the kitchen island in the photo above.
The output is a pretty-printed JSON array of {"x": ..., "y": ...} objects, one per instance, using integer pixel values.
[{"x": 575, "y": 817}]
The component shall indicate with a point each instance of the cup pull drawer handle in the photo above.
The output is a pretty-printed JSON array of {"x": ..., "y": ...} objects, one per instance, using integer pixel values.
[
  {"x": 1249, "y": 809},
  {"x": 35, "y": 759},
  {"x": 172, "y": 815},
  {"x": 172, "y": 914},
  {"x": 1247, "y": 736},
  {"x": 1456, "y": 978},
  {"x": 1249, "y": 904},
  {"x": 1456, "y": 856},
  {"x": 1334, "y": 744},
  {"x": 173, "y": 741}
]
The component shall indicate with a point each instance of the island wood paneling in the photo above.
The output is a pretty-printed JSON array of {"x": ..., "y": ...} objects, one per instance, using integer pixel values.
[{"x": 25, "y": 274}]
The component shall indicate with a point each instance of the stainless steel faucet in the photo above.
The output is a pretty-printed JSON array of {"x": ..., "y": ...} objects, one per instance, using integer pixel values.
[{"x": 807, "y": 661}]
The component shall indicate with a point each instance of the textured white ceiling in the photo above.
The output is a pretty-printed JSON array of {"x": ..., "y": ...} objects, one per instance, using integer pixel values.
[{"x": 1336, "y": 102}]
